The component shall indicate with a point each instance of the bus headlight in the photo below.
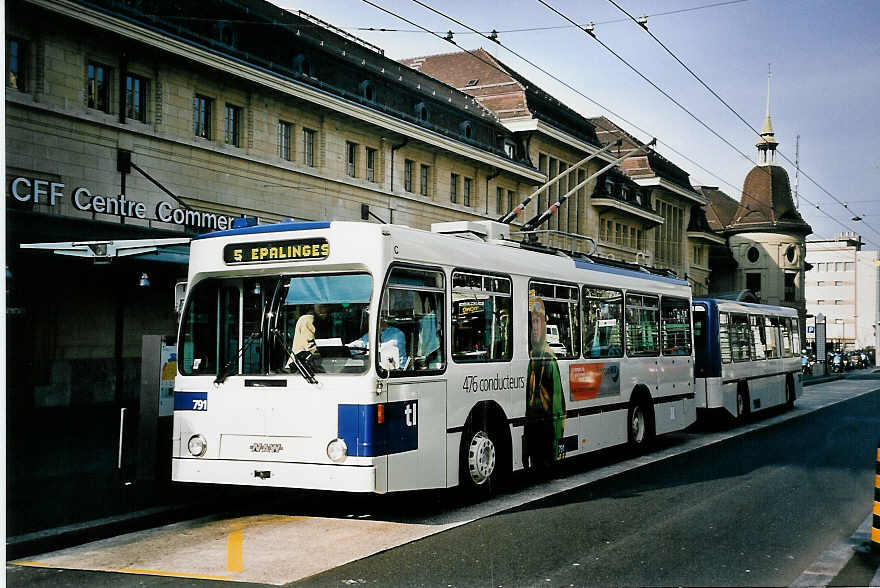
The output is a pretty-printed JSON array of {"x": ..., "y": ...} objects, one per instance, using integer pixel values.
[
  {"x": 197, "y": 445},
  {"x": 337, "y": 450}
]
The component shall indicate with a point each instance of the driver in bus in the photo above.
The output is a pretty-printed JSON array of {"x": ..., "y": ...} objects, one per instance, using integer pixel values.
[{"x": 304, "y": 334}]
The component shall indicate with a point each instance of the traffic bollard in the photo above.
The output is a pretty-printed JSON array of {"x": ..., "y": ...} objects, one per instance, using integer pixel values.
[{"x": 875, "y": 527}]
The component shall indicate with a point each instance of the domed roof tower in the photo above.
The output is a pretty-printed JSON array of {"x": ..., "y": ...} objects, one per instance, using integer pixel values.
[{"x": 766, "y": 234}]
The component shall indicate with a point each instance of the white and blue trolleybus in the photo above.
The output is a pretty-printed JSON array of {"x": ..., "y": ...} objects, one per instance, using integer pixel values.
[
  {"x": 375, "y": 358},
  {"x": 747, "y": 356}
]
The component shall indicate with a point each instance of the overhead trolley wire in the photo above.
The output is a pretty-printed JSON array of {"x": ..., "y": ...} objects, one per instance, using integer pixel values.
[
  {"x": 760, "y": 204},
  {"x": 724, "y": 102}
]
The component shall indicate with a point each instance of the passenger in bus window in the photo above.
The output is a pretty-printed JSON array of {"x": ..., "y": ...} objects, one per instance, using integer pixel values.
[{"x": 545, "y": 401}]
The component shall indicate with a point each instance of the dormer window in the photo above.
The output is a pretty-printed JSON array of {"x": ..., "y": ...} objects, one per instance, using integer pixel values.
[
  {"x": 472, "y": 83},
  {"x": 510, "y": 148},
  {"x": 639, "y": 197},
  {"x": 609, "y": 186},
  {"x": 368, "y": 91},
  {"x": 467, "y": 129},
  {"x": 624, "y": 192},
  {"x": 228, "y": 35},
  {"x": 302, "y": 65},
  {"x": 422, "y": 112}
]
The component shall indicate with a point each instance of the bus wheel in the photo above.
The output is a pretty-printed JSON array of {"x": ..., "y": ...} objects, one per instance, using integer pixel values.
[
  {"x": 640, "y": 425},
  {"x": 742, "y": 404},
  {"x": 481, "y": 462}
]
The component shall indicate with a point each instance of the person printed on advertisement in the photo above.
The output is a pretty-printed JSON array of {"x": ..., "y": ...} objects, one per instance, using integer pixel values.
[{"x": 545, "y": 400}]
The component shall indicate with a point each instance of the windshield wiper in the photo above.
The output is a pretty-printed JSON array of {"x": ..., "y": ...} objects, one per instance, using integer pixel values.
[
  {"x": 307, "y": 373},
  {"x": 221, "y": 374}
]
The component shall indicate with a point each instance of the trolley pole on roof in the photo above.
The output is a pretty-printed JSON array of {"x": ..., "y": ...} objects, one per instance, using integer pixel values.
[
  {"x": 539, "y": 219},
  {"x": 522, "y": 205}
]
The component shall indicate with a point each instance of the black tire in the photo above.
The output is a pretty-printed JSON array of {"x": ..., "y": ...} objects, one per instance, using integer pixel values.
[
  {"x": 483, "y": 460},
  {"x": 743, "y": 406},
  {"x": 640, "y": 424}
]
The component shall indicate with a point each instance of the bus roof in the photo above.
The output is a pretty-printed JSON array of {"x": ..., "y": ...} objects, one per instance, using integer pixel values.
[{"x": 735, "y": 306}]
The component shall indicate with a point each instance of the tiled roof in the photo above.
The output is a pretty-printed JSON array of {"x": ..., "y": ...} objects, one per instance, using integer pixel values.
[
  {"x": 641, "y": 166},
  {"x": 767, "y": 203},
  {"x": 501, "y": 89},
  {"x": 720, "y": 208}
]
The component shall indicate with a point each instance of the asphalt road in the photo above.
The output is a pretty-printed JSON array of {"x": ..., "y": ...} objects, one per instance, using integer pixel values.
[{"x": 754, "y": 509}]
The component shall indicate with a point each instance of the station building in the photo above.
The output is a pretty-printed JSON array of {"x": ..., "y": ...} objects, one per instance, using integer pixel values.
[{"x": 144, "y": 120}]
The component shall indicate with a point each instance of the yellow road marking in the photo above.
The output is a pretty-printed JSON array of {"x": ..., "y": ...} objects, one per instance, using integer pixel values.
[
  {"x": 234, "y": 561},
  {"x": 38, "y": 564}
]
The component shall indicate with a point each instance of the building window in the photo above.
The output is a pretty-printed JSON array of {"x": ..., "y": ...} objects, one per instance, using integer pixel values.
[
  {"x": 753, "y": 283},
  {"x": 309, "y": 147},
  {"x": 510, "y": 149},
  {"x": 136, "y": 97},
  {"x": 511, "y": 196},
  {"x": 351, "y": 150},
  {"x": 371, "y": 165},
  {"x": 99, "y": 87},
  {"x": 820, "y": 301},
  {"x": 466, "y": 192},
  {"x": 820, "y": 283},
  {"x": 453, "y": 188},
  {"x": 408, "y": 175},
  {"x": 202, "y": 116},
  {"x": 233, "y": 125},
  {"x": 284, "y": 133},
  {"x": 499, "y": 200},
  {"x": 849, "y": 266},
  {"x": 16, "y": 64},
  {"x": 423, "y": 180}
]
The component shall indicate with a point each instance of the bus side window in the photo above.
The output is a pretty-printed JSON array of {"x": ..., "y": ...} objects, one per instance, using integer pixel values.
[
  {"x": 785, "y": 329},
  {"x": 410, "y": 332},
  {"x": 482, "y": 306},
  {"x": 603, "y": 322},
  {"x": 562, "y": 328},
  {"x": 642, "y": 325},
  {"x": 724, "y": 336},
  {"x": 675, "y": 326},
  {"x": 759, "y": 342},
  {"x": 740, "y": 337},
  {"x": 771, "y": 324}
]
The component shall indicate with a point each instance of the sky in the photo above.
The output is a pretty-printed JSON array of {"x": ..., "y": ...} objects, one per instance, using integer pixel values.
[{"x": 824, "y": 57}]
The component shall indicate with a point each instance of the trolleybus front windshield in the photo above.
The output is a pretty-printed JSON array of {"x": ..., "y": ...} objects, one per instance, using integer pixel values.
[{"x": 254, "y": 325}]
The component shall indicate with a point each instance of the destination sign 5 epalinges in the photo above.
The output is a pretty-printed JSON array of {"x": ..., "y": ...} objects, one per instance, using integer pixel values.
[{"x": 269, "y": 251}]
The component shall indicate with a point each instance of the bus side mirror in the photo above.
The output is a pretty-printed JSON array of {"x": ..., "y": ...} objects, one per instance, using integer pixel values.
[{"x": 179, "y": 297}]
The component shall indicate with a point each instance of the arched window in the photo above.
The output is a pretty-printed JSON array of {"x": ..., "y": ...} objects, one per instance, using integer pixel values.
[{"x": 467, "y": 129}]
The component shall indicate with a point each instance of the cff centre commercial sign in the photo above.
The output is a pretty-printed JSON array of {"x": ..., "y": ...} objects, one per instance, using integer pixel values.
[{"x": 39, "y": 191}]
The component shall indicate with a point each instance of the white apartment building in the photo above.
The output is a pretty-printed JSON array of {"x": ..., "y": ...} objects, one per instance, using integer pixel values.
[{"x": 844, "y": 285}]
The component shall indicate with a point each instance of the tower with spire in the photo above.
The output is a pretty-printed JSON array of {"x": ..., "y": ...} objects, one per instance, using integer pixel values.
[
  {"x": 766, "y": 235},
  {"x": 767, "y": 143}
]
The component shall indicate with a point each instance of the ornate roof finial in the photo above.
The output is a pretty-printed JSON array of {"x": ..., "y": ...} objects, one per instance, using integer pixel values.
[{"x": 768, "y": 141}]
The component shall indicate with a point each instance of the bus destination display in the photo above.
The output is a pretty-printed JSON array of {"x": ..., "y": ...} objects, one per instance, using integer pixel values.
[{"x": 268, "y": 251}]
